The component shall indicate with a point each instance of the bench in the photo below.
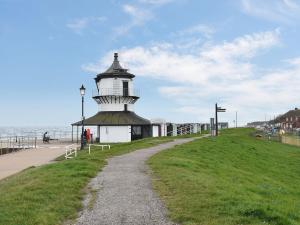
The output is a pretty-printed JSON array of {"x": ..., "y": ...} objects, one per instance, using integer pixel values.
[{"x": 102, "y": 147}]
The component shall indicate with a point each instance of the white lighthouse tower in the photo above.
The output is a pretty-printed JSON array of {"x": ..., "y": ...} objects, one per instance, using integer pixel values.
[
  {"x": 115, "y": 95},
  {"x": 115, "y": 90}
]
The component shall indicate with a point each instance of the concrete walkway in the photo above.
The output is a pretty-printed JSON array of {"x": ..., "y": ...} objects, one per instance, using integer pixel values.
[
  {"x": 15, "y": 162},
  {"x": 122, "y": 193}
]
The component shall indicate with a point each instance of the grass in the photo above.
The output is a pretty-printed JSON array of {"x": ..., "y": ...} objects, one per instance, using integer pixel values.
[
  {"x": 229, "y": 180},
  {"x": 52, "y": 194},
  {"x": 93, "y": 198}
]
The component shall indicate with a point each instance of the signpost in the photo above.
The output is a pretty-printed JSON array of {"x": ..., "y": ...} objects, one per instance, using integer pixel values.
[
  {"x": 218, "y": 109},
  {"x": 212, "y": 127}
]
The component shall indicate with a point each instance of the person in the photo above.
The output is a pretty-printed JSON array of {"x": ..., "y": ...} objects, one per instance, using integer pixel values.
[
  {"x": 88, "y": 135},
  {"x": 46, "y": 138},
  {"x": 84, "y": 136}
]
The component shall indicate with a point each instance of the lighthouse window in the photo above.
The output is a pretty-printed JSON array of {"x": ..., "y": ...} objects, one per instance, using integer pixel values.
[
  {"x": 125, "y": 107},
  {"x": 125, "y": 88}
]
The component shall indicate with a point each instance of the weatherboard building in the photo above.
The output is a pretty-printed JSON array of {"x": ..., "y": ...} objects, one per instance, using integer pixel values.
[{"x": 116, "y": 120}]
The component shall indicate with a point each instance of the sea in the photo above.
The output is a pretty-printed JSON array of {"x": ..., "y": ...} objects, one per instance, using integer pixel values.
[{"x": 55, "y": 132}]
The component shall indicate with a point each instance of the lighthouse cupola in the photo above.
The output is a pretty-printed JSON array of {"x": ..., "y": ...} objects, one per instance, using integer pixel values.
[{"x": 115, "y": 91}]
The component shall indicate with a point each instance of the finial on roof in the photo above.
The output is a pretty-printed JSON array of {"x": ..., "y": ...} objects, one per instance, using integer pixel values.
[{"x": 116, "y": 56}]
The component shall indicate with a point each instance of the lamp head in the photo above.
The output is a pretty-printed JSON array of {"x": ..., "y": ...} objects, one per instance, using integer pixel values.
[{"x": 82, "y": 90}]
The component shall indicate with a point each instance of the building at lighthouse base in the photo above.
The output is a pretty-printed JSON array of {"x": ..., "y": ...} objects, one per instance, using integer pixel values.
[{"x": 120, "y": 126}]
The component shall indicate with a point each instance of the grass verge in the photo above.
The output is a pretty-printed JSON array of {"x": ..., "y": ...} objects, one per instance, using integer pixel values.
[
  {"x": 232, "y": 179},
  {"x": 52, "y": 194}
]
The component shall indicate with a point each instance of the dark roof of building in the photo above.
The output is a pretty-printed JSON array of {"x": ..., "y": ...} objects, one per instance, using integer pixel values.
[
  {"x": 115, "y": 70},
  {"x": 291, "y": 113},
  {"x": 114, "y": 118},
  {"x": 295, "y": 112}
]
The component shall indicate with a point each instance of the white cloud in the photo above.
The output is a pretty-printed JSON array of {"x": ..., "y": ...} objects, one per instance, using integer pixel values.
[
  {"x": 156, "y": 2},
  {"x": 202, "y": 29},
  {"x": 216, "y": 72},
  {"x": 286, "y": 11},
  {"x": 138, "y": 17},
  {"x": 228, "y": 61},
  {"x": 245, "y": 47},
  {"x": 79, "y": 24},
  {"x": 140, "y": 13}
]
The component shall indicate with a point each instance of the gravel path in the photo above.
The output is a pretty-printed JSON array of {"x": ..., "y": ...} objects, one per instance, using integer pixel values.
[{"x": 123, "y": 192}]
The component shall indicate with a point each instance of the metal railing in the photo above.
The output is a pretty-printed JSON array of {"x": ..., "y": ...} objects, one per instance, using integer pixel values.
[
  {"x": 184, "y": 129},
  {"x": 31, "y": 140},
  {"x": 116, "y": 92},
  {"x": 102, "y": 147},
  {"x": 12, "y": 144},
  {"x": 54, "y": 134},
  {"x": 70, "y": 150}
]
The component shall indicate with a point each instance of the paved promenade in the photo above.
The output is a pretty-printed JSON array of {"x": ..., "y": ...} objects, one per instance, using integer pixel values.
[{"x": 15, "y": 162}]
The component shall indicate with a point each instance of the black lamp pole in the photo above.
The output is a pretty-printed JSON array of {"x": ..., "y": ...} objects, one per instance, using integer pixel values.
[{"x": 82, "y": 93}]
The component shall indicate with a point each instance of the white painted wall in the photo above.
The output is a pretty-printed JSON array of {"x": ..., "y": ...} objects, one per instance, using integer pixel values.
[
  {"x": 155, "y": 132},
  {"x": 163, "y": 125},
  {"x": 174, "y": 130},
  {"x": 113, "y": 134},
  {"x": 163, "y": 128},
  {"x": 114, "y": 86},
  {"x": 115, "y": 107}
]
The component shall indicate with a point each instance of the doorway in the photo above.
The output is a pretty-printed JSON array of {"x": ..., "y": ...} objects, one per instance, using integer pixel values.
[{"x": 136, "y": 132}]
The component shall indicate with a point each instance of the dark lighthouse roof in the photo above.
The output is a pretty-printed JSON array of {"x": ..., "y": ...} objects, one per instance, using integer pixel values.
[
  {"x": 114, "y": 118},
  {"x": 115, "y": 71}
]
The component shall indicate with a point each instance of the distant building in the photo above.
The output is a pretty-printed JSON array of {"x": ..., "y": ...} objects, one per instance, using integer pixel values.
[
  {"x": 257, "y": 124},
  {"x": 289, "y": 120},
  {"x": 222, "y": 125}
]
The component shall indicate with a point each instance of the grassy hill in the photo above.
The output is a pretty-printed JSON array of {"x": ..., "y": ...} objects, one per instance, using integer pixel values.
[
  {"x": 53, "y": 193},
  {"x": 232, "y": 179}
]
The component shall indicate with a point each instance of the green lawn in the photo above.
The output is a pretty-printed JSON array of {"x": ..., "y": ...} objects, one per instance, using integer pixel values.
[
  {"x": 232, "y": 179},
  {"x": 52, "y": 194}
]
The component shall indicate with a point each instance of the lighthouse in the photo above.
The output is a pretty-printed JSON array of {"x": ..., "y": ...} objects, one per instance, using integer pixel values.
[
  {"x": 115, "y": 90},
  {"x": 116, "y": 120}
]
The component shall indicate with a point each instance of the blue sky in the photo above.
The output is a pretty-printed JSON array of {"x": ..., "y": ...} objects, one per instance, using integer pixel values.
[{"x": 186, "y": 54}]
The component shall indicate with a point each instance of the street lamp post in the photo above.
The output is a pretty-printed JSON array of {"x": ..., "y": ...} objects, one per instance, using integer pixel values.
[{"x": 82, "y": 93}]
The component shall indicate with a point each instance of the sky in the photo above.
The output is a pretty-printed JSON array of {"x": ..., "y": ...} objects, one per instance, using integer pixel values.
[{"x": 187, "y": 55}]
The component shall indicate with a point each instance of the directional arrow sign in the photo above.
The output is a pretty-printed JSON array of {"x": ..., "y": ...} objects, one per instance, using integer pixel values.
[{"x": 218, "y": 109}]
